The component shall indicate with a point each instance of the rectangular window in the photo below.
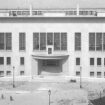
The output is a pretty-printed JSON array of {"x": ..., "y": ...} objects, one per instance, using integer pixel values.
[
  {"x": 1, "y": 73},
  {"x": 91, "y": 74},
  {"x": 21, "y": 60},
  {"x": 91, "y": 61},
  {"x": 77, "y": 61},
  {"x": 104, "y": 61},
  {"x": 49, "y": 38},
  {"x": 8, "y": 41},
  {"x": 99, "y": 41},
  {"x": 63, "y": 41},
  {"x": 22, "y": 41},
  {"x": 99, "y": 74},
  {"x": 8, "y": 61},
  {"x": 104, "y": 41},
  {"x": 8, "y": 73},
  {"x": 35, "y": 41},
  {"x": 56, "y": 41},
  {"x": 77, "y": 73},
  {"x": 98, "y": 61},
  {"x": 1, "y": 60},
  {"x": 1, "y": 41},
  {"x": 77, "y": 41},
  {"x": 91, "y": 41},
  {"x": 42, "y": 41},
  {"x": 21, "y": 72}
]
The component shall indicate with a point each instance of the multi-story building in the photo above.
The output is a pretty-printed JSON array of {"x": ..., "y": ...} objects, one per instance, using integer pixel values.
[{"x": 61, "y": 42}]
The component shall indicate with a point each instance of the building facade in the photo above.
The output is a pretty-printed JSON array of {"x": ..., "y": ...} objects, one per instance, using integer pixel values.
[{"x": 64, "y": 42}]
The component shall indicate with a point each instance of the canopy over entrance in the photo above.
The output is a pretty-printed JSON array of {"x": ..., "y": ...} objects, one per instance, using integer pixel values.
[{"x": 50, "y": 56}]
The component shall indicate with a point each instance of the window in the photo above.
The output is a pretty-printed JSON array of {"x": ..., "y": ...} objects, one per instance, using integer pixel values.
[
  {"x": 35, "y": 41},
  {"x": 21, "y": 60},
  {"x": 77, "y": 41},
  {"x": 98, "y": 61},
  {"x": 49, "y": 50},
  {"x": 8, "y": 61},
  {"x": 42, "y": 41},
  {"x": 1, "y": 60},
  {"x": 63, "y": 41},
  {"x": 49, "y": 38},
  {"x": 77, "y": 61},
  {"x": 22, "y": 41},
  {"x": 99, "y": 41},
  {"x": 104, "y": 41},
  {"x": 5, "y": 41},
  {"x": 91, "y": 61},
  {"x": 91, "y": 41},
  {"x": 1, "y": 73},
  {"x": 8, "y": 73},
  {"x": 91, "y": 74},
  {"x": 99, "y": 74},
  {"x": 1, "y": 41},
  {"x": 77, "y": 73},
  {"x": 21, "y": 72},
  {"x": 104, "y": 61},
  {"x": 8, "y": 41},
  {"x": 56, "y": 41}
]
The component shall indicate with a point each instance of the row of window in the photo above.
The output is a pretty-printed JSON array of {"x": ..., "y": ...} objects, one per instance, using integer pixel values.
[
  {"x": 92, "y": 74},
  {"x": 92, "y": 61},
  {"x": 8, "y": 60},
  {"x": 9, "y": 73}
]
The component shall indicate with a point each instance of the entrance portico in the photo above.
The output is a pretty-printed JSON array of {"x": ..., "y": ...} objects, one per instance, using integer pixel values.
[{"x": 48, "y": 65}]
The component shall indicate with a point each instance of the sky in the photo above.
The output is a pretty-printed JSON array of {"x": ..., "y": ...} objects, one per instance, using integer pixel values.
[{"x": 52, "y": 3}]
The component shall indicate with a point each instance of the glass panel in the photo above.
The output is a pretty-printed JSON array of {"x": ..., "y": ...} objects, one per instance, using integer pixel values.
[
  {"x": 22, "y": 41},
  {"x": 56, "y": 41},
  {"x": 63, "y": 41},
  {"x": 36, "y": 41},
  {"x": 77, "y": 41},
  {"x": 92, "y": 41},
  {"x": 99, "y": 41},
  {"x": 8, "y": 41},
  {"x": 42, "y": 41},
  {"x": 49, "y": 38},
  {"x": 1, "y": 41}
]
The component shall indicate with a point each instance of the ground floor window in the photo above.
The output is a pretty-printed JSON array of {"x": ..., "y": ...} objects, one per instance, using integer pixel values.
[
  {"x": 8, "y": 73},
  {"x": 77, "y": 73},
  {"x": 1, "y": 73},
  {"x": 99, "y": 74},
  {"x": 21, "y": 72},
  {"x": 91, "y": 74}
]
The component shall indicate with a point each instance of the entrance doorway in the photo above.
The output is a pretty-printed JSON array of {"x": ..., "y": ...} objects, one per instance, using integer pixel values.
[{"x": 50, "y": 67}]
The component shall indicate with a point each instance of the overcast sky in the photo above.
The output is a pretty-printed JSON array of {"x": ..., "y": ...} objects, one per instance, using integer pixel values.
[{"x": 52, "y": 3}]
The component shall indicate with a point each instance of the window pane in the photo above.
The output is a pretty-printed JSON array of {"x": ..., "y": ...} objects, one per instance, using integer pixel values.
[
  {"x": 56, "y": 41},
  {"x": 98, "y": 61},
  {"x": 22, "y": 41},
  {"x": 36, "y": 41},
  {"x": 8, "y": 60},
  {"x": 8, "y": 41},
  {"x": 91, "y": 41},
  {"x": 98, "y": 41},
  {"x": 42, "y": 41},
  {"x": 103, "y": 41},
  {"x": 22, "y": 61},
  {"x": 1, "y": 41},
  {"x": 91, "y": 61},
  {"x": 1, "y": 60},
  {"x": 77, "y": 41},
  {"x": 77, "y": 61},
  {"x": 63, "y": 41},
  {"x": 49, "y": 38}
]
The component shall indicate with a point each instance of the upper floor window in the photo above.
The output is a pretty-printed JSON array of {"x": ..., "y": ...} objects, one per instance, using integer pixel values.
[
  {"x": 22, "y": 41},
  {"x": 21, "y": 60},
  {"x": 91, "y": 61},
  {"x": 1, "y": 60},
  {"x": 5, "y": 41},
  {"x": 92, "y": 41},
  {"x": 8, "y": 60},
  {"x": 77, "y": 41},
  {"x": 77, "y": 61},
  {"x": 49, "y": 38},
  {"x": 98, "y": 61}
]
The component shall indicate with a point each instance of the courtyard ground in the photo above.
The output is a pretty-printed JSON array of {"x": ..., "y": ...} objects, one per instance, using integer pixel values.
[{"x": 62, "y": 93}]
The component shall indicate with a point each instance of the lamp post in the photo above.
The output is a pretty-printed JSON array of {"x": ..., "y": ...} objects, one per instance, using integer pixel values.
[
  {"x": 13, "y": 78},
  {"x": 49, "y": 93},
  {"x": 80, "y": 77}
]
